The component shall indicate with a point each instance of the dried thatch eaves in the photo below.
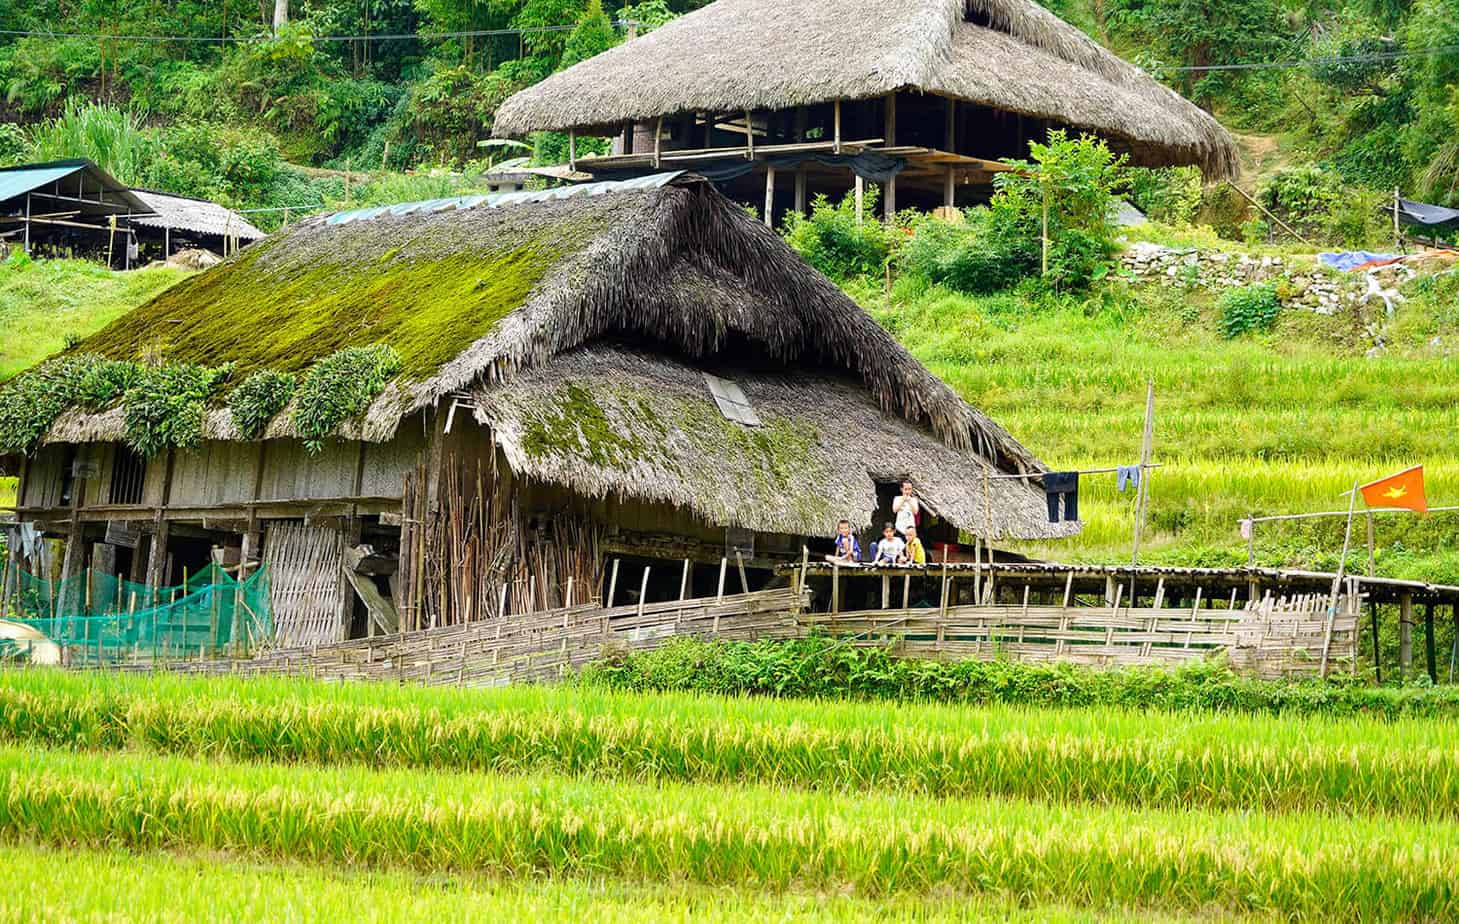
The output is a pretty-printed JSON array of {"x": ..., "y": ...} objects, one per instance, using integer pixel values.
[
  {"x": 609, "y": 420},
  {"x": 1011, "y": 55},
  {"x": 477, "y": 290}
]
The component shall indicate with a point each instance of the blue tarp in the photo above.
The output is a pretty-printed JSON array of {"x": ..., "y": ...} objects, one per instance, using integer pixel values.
[{"x": 1351, "y": 259}]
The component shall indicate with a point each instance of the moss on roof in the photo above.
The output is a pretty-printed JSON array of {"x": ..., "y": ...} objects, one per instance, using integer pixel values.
[{"x": 429, "y": 288}]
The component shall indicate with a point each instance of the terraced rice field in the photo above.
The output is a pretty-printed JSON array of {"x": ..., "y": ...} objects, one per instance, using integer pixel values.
[{"x": 283, "y": 799}]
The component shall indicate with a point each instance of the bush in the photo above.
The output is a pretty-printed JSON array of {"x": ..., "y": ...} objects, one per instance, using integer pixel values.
[
  {"x": 825, "y": 668},
  {"x": 834, "y": 242},
  {"x": 975, "y": 257},
  {"x": 1248, "y": 309},
  {"x": 258, "y": 398},
  {"x": 1170, "y": 195},
  {"x": 1077, "y": 179},
  {"x": 340, "y": 387},
  {"x": 166, "y": 406}
]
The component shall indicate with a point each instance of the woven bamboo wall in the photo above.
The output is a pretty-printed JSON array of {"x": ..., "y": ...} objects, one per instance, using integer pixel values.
[
  {"x": 1269, "y": 638},
  {"x": 539, "y": 646}
]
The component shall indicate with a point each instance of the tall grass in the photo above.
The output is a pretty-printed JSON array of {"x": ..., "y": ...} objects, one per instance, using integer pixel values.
[
  {"x": 116, "y": 139},
  {"x": 1094, "y": 756},
  {"x": 762, "y": 837}
]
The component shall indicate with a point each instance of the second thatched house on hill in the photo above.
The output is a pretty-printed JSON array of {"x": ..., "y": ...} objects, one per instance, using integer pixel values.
[
  {"x": 499, "y": 392},
  {"x": 780, "y": 99}
]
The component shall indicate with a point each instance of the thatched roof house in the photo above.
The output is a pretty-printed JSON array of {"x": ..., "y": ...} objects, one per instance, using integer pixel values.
[
  {"x": 973, "y": 80},
  {"x": 635, "y": 367}
]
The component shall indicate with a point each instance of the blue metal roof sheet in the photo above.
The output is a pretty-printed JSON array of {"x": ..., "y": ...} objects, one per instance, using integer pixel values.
[
  {"x": 22, "y": 180},
  {"x": 499, "y": 200}
]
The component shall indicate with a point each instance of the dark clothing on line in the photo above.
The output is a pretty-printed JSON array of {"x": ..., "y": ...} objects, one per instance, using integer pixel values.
[{"x": 1062, "y": 485}]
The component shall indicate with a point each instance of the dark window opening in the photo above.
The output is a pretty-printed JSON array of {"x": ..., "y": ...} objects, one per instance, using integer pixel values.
[
  {"x": 975, "y": 14},
  {"x": 128, "y": 472}
]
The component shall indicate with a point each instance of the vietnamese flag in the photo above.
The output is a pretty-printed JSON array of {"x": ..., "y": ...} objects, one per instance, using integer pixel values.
[{"x": 1406, "y": 489}]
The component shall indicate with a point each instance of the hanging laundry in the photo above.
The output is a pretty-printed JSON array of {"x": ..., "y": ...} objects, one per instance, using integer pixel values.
[
  {"x": 1127, "y": 476},
  {"x": 1065, "y": 486}
]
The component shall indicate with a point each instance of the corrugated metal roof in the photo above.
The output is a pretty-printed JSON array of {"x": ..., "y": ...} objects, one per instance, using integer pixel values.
[
  {"x": 21, "y": 180},
  {"x": 183, "y": 213},
  {"x": 499, "y": 200}
]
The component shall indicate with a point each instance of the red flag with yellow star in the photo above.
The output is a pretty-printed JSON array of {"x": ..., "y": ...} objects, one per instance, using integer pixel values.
[{"x": 1406, "y": 489}]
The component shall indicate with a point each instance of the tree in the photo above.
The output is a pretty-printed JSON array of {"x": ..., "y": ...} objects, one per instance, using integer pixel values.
[
  {"x": 593, "y": 35},
  {"x": 281, "y": 15}
]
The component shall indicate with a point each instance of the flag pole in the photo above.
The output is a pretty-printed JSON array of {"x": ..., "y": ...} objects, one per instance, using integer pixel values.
[{"x": 1337, "y": 578}]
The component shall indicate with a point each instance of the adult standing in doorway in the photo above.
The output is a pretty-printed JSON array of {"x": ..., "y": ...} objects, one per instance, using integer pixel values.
[{"x": 907, "y": 508}]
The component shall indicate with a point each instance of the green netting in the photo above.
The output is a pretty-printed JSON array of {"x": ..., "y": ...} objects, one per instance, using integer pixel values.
[{"x": 99, "y": 617}]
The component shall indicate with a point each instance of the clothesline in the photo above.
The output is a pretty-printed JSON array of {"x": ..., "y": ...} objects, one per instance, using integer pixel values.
[{"x": 1083, "y": 471}]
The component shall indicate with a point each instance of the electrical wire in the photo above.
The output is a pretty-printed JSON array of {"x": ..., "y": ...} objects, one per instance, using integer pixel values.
[{"x": 245, "y": 39}]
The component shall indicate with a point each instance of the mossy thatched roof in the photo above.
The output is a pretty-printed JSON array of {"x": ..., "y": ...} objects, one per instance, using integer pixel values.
[
  {"x": 1013, "y": 55},
  {"x": 613, "y": 420},
  {"x": 475, "y": 291}
]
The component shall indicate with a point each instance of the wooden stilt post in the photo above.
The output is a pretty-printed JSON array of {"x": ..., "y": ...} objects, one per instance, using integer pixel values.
[
  {"x": 769, "y": 196},
  {"x": 1377, "y": 650},
  {"x": 800, "y": 190},
  {"x": 860, "y": 198},
  {"x": 837, "y": 128},
  {"x": 1405, "y": 635},
  {"x": 684, "y": 581},
  {"x": 723, "y": 570},
  {"x": 1431, "y": 656},
  {"x": 658, "y": 142},
  {"x": 835, "y": 586},
  {"x": 744, "y": 577},
  {"x": 886, "y": 591},
  {"x": 643, "y": 591},
  {"x": 613, "y": 583}
]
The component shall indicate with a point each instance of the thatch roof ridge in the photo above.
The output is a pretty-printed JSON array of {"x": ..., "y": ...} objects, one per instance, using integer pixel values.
[{"x": 735, "y": 55}]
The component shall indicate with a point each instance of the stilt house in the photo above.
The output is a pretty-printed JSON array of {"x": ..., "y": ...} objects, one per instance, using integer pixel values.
[
  {"x": 778, "y": 100},
  {"x": 637, "y": 370}
]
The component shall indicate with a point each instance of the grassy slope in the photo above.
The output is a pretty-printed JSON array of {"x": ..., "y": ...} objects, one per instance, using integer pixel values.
[
  {"x": 1283, "y": 422},
  {"x": 44, "y": 301}
]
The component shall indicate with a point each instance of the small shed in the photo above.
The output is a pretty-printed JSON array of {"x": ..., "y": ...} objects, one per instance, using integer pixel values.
[{"x": 74, "y": 208}]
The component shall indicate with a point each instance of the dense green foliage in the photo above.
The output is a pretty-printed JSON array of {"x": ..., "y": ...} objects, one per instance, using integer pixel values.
[
  {"x": 826, "y": 668},
  {"x": 1066, "y": 187},
  {"x": 30, "y": 404},
  {"x": 340, "y": 387},
  {"x": 258, "y": 398},
  {"x": 1249, "y": 309},
  {"x": 166, "y": 405}
]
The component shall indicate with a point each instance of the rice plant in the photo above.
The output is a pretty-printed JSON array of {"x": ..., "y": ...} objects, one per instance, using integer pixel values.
[
  {"x": 742, "y": 836},
  {"x": 121, "y": 885},
  {"x": 1098, "y": 756}
]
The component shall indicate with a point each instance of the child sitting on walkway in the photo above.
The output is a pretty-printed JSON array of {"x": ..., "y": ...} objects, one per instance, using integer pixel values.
[
  {"x": 891, "y": 550},
  {"x": 848, "y": 549}
]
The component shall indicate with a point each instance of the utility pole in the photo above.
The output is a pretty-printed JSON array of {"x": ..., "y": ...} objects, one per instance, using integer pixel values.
[{"x": 1142, "y": 493}]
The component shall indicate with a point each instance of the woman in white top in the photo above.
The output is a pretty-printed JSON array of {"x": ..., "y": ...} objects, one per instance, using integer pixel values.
[{"x": 907, "y": 508}]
